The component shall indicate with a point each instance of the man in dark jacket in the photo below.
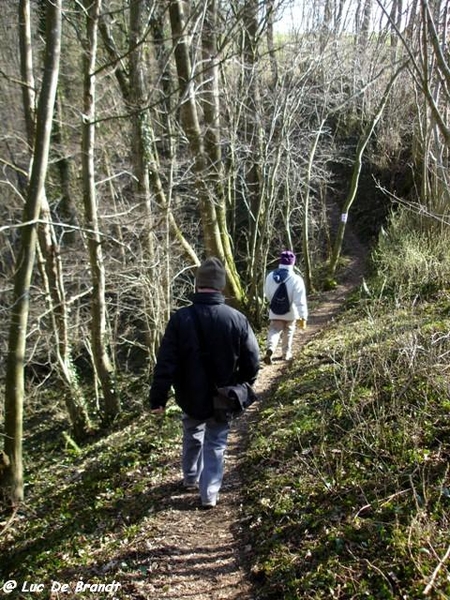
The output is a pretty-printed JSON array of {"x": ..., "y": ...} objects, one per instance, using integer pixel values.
[{"x": 224, "y": 352}]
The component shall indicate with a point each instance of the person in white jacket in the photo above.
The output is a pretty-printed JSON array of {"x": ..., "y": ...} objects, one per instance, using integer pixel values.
[{"x": 283, "y": 325}]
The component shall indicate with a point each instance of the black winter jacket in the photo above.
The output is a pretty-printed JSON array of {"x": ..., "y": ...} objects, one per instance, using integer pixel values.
[{"x": 233, "y": 355}]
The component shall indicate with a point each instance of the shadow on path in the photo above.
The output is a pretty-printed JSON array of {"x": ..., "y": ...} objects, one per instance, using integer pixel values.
[{"x": 200, "y": 555}]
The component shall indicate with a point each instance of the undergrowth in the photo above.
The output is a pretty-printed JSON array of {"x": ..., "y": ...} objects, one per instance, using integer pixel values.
[
  {"x": 88, "y": 509},
  {"x": 347, "y": 474},
  {"x": 347, "y": 485}
]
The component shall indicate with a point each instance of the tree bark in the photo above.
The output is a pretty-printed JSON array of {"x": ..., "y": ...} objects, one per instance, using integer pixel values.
[
  {"x": 150, "y": 189},
  {"x": 306, "y": 211},
  {"x": 12, "y": 475},
  {"x": 362, "y": 144},
  {"x": 153, "y": 162},
  {"x": 204, "y": 149},
  {"x": 28, "y": 88},
  {"x": 215, "y": 175},
  {"x": 102, "y": 362},
  {"x": 50, "y": 258}
]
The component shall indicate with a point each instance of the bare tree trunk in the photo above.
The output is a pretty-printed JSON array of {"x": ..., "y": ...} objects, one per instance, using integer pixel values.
[
  {"x": 259, "y": 185},
  {"x": 364, "y": 140},
  {"x": 153, "y": 162},
  {"x": 51, "y": 267},
  {"x": 141, "y": 144},
  {"x": 28, "y": 88},
  {"x": 212, "y": 208},
  {"x": 150, "y": 188},
  {"x": 67, "y": 204},
  {"x": 396, "y": 17},
  {"x": 12, "y": 474},
  {"x": 102, "y": 362},
  {"x": 270, "y": 13},
  {"x": 191, "y": 122},
  {"x": 212, "y": 136},
  {"x": 252, "y": 125},
  {"x": 142, "y": 158},
  {"x": 53, "y": 282},
  {"x": 306, "y": 215}
]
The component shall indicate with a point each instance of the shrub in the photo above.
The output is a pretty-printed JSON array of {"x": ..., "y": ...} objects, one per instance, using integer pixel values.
[{"x": 412, "y": 259}]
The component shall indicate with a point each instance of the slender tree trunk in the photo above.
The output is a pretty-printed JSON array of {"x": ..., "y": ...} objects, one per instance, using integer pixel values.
[
  {"x": 211, "y": 110},
  {"x": 51, "y": 271},
  {"x": 364, "y": 140},
  {"x": 191, "y": 123},
  {"x": 12, "y": 475},
  {"x": 252, "y": 99},
  {"x": 270, "y": 13},
  {"x": 211, "y": 207},
  {"x": 67, "y": 206},
  {"x": 259, "y": 185},
  {"x": 142, "y": 158},
  {"x": 306, "y": 216},
  {"x": 26, "y": 59},
  {"x": 133, "y": 83},
  {"x": 153, "y": 162},
  {"x": 102, "y": 362},
  {"x": 50, "y": 262},
  {"x": 141, "y": 141}
]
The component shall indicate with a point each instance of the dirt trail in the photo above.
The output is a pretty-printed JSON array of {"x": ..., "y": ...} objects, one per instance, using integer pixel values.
[{"x": 196, "y": 554}]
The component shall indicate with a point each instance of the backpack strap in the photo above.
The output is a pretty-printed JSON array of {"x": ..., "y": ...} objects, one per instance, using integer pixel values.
[{"x": 280, "y": 275}]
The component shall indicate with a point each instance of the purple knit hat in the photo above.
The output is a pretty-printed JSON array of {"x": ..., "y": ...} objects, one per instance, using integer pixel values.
[{"x": 287, "y": 258}]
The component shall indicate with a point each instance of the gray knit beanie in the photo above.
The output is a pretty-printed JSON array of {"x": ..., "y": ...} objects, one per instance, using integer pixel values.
[{"x": 211, "y": 274}]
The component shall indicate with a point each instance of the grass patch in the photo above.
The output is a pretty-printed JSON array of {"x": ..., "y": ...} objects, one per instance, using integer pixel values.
[
  {"x": 88, "y": 511},
  {"x": 348, "y": 469},
  {"x": 347, "y": 485},
  {"x": 412, "y": 257}
]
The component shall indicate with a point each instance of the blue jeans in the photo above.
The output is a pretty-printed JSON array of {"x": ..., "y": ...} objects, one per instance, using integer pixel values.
[{"x": 204, "y": 445}]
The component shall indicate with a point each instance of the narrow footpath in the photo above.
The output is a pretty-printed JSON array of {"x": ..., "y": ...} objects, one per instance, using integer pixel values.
[{"x": 197, "y": 554}]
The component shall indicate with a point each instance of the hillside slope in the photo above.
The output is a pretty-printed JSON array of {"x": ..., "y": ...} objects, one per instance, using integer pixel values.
[
  {"x": 113, "y": 513},
  {"x": 200, "y": 555}
]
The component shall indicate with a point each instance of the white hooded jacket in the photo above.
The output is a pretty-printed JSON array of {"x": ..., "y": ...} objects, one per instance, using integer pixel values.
[{"x": 296, "y": 292}]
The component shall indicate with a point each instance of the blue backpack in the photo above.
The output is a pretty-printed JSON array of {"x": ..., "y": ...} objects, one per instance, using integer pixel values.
[{"x": 280, "y": 303}]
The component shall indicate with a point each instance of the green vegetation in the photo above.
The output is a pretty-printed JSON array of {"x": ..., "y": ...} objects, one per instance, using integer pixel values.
[
  {"x": 347, "y": 489},
  {"x": 88, "y": 509}
]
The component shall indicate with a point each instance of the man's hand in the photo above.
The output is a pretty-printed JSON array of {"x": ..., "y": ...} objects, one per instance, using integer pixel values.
[
  {"x": 158, "y": 411},
  {"x": 302, "y": 323}
]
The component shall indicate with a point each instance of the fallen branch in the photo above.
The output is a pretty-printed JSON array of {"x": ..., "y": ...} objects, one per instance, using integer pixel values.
[
  {"x": 9, "y": 522},
  {"x": 430, "y": 584}
]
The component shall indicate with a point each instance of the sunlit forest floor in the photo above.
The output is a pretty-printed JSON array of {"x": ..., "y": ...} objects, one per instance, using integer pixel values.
[{"x": 336, "y": 482}]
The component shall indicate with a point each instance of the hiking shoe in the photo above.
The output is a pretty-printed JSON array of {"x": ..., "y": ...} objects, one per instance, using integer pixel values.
[
  {"x": 268, "y": 357},
  {"x": 208, "y": 504},
  {"x": 190, "y": 487}
]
